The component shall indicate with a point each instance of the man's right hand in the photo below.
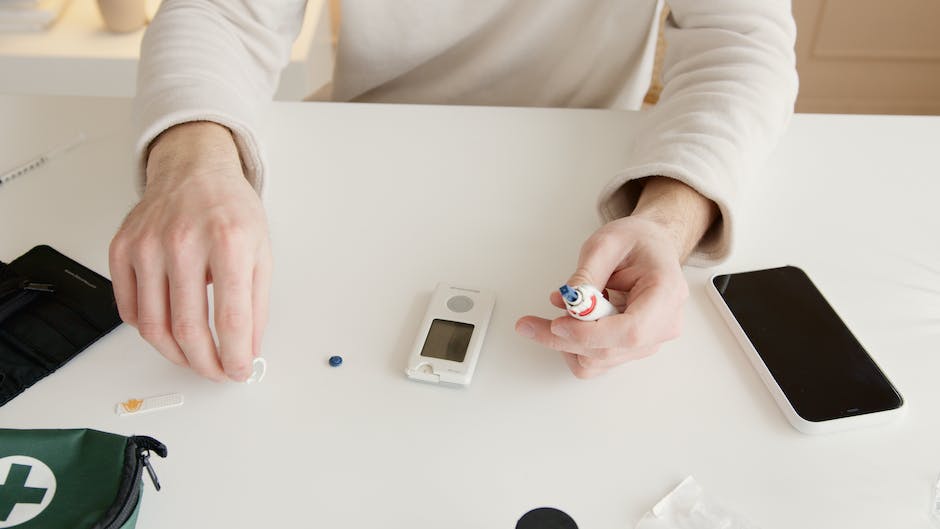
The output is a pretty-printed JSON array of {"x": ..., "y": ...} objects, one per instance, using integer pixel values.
[{"x": 199, "y": 222}]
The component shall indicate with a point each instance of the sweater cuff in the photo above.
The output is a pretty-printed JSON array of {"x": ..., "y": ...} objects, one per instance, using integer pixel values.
[
  {"x": 153, "y": 123},
  {"x": 620, "y": 196}
]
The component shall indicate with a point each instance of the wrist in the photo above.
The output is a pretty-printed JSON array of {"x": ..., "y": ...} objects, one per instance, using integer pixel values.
[
  {"x": 681, "y": 211},
  {"x": 190, "y": 149}
]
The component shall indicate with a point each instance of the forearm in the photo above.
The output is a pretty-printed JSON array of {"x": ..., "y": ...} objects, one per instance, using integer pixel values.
[
  {"x": 730, "y": 82},
  {"x": 213, "y": 61},
  {"x": 195, "y": 147},
  {"x": 686, "y": 214}
]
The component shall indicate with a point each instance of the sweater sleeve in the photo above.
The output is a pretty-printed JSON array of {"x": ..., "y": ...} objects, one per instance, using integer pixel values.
[
  {"x": 213, "y": 60},
  {"x": 730, "y": 83}
]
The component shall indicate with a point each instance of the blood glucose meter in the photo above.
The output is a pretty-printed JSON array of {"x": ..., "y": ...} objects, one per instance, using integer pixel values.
[{"x": 451, "y": 335}]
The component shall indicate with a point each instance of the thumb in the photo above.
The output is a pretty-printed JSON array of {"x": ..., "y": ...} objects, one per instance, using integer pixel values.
[{"x": 600, "y": 256}]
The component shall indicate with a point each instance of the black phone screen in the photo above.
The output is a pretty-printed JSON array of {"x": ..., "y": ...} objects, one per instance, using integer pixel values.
[{"x": 815, "y": 359}]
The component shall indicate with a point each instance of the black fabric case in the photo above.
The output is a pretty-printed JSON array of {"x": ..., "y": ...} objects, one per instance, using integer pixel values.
[{"x": 41, "y": 330}]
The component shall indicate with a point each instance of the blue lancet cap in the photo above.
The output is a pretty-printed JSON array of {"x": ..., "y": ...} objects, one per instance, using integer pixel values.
[{"x": 570, "y": 295}]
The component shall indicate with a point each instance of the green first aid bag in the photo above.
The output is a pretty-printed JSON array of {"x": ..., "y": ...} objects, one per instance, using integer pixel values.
[{"x": 73, "y": 479}]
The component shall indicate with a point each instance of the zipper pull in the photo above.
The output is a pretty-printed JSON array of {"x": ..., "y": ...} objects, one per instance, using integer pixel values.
[
  {"x": 39, "y": 287},
  {"x": 15, "y": 285},
  {"x": 145, "y": 459}
]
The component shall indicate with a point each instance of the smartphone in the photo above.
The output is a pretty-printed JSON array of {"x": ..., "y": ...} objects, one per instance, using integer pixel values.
[{"x": 820, "y": 375}]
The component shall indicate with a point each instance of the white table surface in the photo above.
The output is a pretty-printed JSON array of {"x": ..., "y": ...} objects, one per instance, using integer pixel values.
[
  {"x": 372, "y": 205},
  {"x": 78, "y": 56}
]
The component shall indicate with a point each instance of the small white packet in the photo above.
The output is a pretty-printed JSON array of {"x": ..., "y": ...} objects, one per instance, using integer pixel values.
[
  {"x": 687, "y": 507},
  {"x": 138, "y": 406},
  {"x": 935, "y": 504}
]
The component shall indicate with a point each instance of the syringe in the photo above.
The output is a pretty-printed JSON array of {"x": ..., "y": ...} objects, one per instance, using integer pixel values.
[{"x": 38, "y": 161}]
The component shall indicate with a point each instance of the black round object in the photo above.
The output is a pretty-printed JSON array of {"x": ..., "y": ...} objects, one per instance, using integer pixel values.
[{"x": 546, "y": 518}]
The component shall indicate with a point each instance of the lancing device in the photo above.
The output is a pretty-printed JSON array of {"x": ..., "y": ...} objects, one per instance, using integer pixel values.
[{"x": 586, "y": 303}]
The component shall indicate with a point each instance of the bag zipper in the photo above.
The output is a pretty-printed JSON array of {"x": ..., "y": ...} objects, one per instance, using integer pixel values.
[
  {"x": 18, "y": 293},
  {"x": 12, "y": 285},
  {"x": 143, "y": 446}
]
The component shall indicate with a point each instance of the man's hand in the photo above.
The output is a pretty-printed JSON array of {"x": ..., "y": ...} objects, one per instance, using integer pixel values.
[
  {"x": 638, "y": 259},
  {"x": 199, "y": 222}
]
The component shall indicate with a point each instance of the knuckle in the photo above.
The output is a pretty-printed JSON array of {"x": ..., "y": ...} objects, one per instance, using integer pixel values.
[
  {"x": 117, "y": 251},
  {"x": 179, "y": 239},
  {"x": 633, "y": 337},
  {"x": 557, "y": 343},
  {"x": 186, "y": 330},
  {"x": 232, "y": 319},
  {"x": 153, "y": 331},
  {"x": 659, "y": 279},
  {"x": 183, "y": 266},
  {"x": 237, "y": 283},
  {"x": 230, "y": 237},
  {"x": 675, "y": 286},
  {"x": 590, "y": 339},
  {"x": 144, "y": 249},
  {"x": 601, "y": 239}
]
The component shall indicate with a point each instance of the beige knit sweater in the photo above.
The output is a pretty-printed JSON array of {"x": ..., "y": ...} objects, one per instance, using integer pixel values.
[{"x": 729, "y": 73}]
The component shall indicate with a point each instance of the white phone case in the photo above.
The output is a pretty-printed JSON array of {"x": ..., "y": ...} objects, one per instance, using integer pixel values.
[{"x": 798, "y": 422}]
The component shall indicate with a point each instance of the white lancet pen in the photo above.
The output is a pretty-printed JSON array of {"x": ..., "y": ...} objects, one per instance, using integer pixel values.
[
  {"x": 586, "y": 303},
  {"x": 41, "y": 159}
]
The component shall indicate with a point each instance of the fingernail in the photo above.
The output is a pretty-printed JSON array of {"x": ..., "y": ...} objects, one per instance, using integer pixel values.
[
  {"x": 238, "y": 375},
  {"x": 526, "y": 329}
]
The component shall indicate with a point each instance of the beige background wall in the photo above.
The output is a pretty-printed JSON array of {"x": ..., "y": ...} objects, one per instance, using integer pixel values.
[
  {"x": 855, "y": 56},
  {"x": 868, "y": 56}
]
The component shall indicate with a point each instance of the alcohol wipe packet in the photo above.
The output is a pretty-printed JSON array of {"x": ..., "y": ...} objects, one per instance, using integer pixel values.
[{"x": 687, "y": 507}]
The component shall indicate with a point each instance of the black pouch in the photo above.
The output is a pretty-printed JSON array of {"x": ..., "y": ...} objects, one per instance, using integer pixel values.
[{"x": 51, "y": 309}]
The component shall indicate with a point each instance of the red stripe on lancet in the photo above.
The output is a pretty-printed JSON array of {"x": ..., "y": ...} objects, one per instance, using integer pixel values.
[{"x": 591, "y": 308}]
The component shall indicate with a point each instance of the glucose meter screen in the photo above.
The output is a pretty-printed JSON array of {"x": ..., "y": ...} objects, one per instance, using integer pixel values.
[{"x": 447, "y": 340}]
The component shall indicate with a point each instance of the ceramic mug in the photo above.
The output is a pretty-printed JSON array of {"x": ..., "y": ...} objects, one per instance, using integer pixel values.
[{"x": 122, "y": 16}]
